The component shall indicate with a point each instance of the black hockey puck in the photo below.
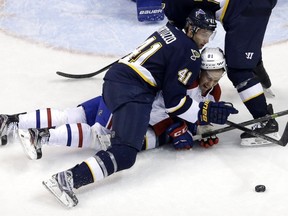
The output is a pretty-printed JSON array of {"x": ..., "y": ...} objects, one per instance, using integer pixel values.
[{"x": 260, "y": 188}]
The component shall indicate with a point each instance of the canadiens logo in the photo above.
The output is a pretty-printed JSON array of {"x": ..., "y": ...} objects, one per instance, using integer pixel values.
[{"x": 195, "y": 55}]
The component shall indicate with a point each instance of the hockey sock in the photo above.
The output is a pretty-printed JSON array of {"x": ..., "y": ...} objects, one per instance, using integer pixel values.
[{"x": 103, "y": 164}]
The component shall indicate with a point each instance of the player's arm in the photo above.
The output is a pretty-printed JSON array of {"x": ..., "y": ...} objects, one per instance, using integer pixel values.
[
  {"x": 207, "y": 142},
  {"x": 179, "y": 104}
]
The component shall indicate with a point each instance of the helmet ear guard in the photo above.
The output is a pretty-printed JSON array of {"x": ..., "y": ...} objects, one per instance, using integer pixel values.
[{"x": 213, "y": 59}]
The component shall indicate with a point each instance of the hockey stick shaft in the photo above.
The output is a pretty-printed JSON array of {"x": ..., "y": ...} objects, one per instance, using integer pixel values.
[
  {"x": 249, "y": 122},
  {"x": 282, "y": 142},
  {"x": 87, "y": 75}
]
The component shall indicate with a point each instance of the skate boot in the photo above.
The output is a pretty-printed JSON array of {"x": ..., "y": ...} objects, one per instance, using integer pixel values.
[
  {"x": 8, "y": 125},
  {"x": 61, "y": 185},
  {"x": 32, "y": 141},
  {"x": 269, "y": 127}
]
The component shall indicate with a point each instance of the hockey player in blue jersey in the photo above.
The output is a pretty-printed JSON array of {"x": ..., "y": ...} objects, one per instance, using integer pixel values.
[
  {"x": 168, "y": 61},
  {"x": 245, "y": 24},
  {"x": 176, "y": 11},
  {"x": 89, "y": 124}
]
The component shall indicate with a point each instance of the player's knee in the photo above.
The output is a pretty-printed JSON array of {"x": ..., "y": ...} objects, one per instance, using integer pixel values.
[
  {"x": 238, "y": 76},
  {"x": 125, "y": 156}
]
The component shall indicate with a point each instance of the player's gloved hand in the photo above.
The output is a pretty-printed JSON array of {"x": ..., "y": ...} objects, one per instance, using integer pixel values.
[
  {"x": 215, "y": 112},
  {"x": 181, "y": 137},
  {"x": 207, "y": 142}
]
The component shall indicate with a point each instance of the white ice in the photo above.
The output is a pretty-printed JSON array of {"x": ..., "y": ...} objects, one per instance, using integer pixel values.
[{"x": 203, "y": 182}]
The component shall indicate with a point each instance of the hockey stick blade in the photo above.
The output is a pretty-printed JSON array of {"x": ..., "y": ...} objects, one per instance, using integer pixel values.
[
  {"x": 282, "y": 142},
  {"x": 77, "y": 76},
  {"x": 249, "y": 122},
  {"x": 88, "y": 75}
]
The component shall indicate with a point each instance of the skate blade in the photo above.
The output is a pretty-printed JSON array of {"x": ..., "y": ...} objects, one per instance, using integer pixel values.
[
  {"x": 256, "y": 141},
  {"x": 28, "y": 148},
  {"x": 52, "y": 186}
]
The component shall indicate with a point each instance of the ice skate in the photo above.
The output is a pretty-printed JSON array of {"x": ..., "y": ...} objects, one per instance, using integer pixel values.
[
  {"x": 8, "y": 125},
  {"x": 103, "y": 141},
  {"x": 32, "y": 141},
  {"x": 269, "y": 128},
  {"x": 61, "y": 185}
]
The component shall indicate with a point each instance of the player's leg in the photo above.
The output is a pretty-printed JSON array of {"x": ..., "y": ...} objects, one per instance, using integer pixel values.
[
  {"x": 248, "y": 30},
  {"x": 42, "y": 118},
  {"x": 130, "y": 122},
  {"x": 264, "y": 79},
  {"x": 91, "y": 108},
  {"x": 118, "y": 157},
  {"x": 262, "y": 75},
  {"x": 49, "y": 117},
  {"x": 77, "y": 135}
]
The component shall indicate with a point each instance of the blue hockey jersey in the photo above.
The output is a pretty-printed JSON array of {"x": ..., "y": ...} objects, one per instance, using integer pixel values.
[{"x": 169, "y": 61}]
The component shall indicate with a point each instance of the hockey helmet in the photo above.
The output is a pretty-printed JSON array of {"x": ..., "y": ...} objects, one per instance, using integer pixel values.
[
  {"x": 213, "y": 58},
  {"x": 202, "y": 19}
]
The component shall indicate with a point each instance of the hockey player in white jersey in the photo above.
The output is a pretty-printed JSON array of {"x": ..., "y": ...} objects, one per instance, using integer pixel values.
[
  {"x": 213, "y": 67},
  {"x": 76, "y": 127}
]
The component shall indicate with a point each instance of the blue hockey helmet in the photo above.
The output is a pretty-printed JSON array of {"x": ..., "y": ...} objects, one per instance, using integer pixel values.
[{"x": 203, "y": 19}]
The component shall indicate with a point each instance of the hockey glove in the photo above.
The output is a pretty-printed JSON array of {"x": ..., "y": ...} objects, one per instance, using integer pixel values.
[
  {"x": 215, "y": 112},
  {"x": 181, "y": 137},
  {"x": 207, "y": 141}
]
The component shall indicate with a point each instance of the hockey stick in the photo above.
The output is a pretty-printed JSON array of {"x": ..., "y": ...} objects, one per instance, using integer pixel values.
[
  {"x": 282, "y": 142},
  {"x": 87, "y": 75},
  {"x": 249, "y": 122}
]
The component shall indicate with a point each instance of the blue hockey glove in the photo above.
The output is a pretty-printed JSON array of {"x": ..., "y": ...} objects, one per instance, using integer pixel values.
[
  {"x": 215, "y": 112},
  {"x": 181, "y": 137}
]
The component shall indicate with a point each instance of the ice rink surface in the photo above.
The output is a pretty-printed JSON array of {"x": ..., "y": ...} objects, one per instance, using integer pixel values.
[{"x": 206, "y": 182}]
